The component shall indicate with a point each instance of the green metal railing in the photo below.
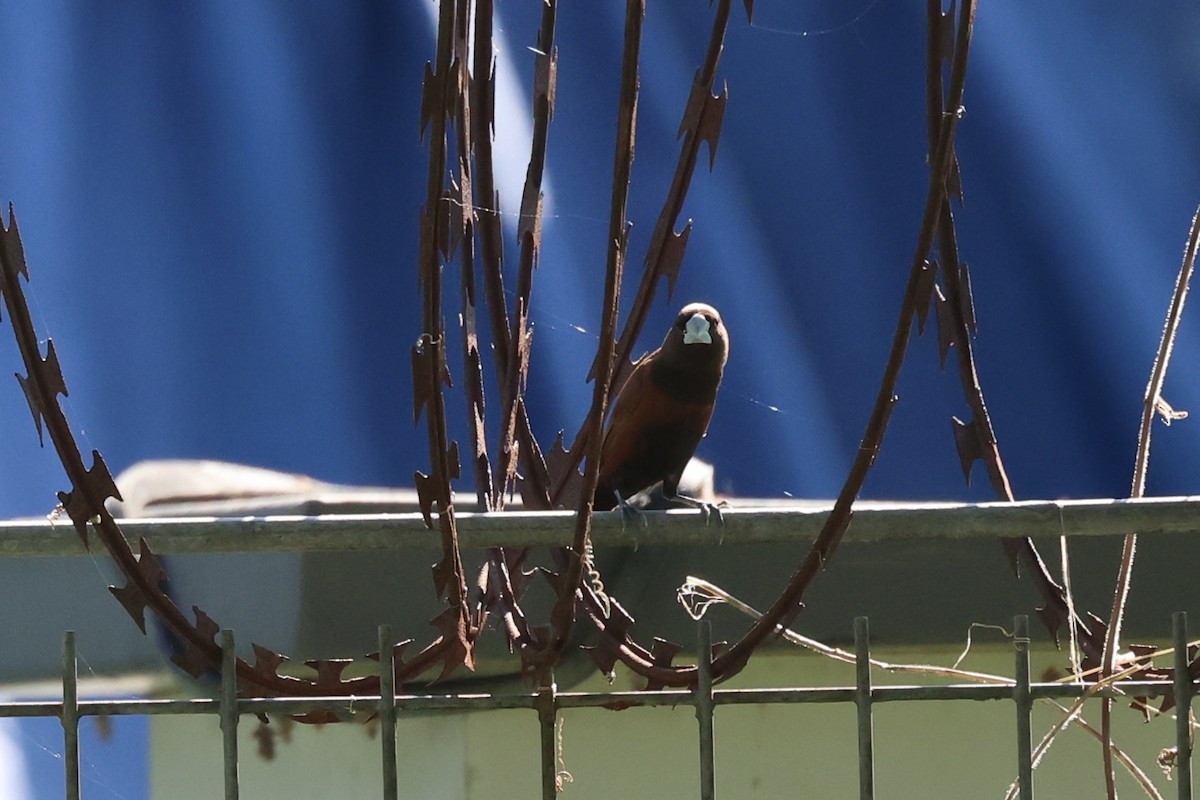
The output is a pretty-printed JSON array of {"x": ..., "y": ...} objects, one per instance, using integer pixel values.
[
  {"x": 548, "y": 703},
  {"x": 745, "y": 526}
]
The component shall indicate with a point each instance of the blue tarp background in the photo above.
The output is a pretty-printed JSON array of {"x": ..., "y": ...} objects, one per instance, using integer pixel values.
[{"x": 219, "y": 203}]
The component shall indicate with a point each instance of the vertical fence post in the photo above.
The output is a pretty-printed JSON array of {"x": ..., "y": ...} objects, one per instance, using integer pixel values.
[
  {"x": 70, "y": 715},
  {"x": 547, "y": 708},
  {"x": 704, "y": 710},
  {"x": 229, "y": 714},
  {"x": 1183, "y": 708},
  {"x": 862, "y": 698},
  {"x": 1024, "y": 701},
  {"x": 387, "y": 711}
]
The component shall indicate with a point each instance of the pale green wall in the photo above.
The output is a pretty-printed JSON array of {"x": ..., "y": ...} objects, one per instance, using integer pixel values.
[{"x": 959, "y": 749}]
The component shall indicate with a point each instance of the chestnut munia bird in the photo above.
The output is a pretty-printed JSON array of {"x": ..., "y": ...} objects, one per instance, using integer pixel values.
[{"x": 663, "y": 410}]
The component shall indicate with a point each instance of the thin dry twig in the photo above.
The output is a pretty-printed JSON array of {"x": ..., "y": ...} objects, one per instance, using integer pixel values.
[
  {"x": 1150, "y": 406},
  {"x": 1073, "y": 632},
  {"x": 697, "y": 595},
  {"x": 1073, "y": 714},
  {"x": 1005, "y": 632}
]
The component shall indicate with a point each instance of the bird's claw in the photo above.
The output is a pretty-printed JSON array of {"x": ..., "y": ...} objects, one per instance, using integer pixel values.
[
  {"x": 709, "y": 510},
  {"x": 630, "y": 514}
]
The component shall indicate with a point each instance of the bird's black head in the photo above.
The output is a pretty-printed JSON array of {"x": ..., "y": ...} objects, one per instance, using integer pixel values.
[{"x": 698, "y": 337}]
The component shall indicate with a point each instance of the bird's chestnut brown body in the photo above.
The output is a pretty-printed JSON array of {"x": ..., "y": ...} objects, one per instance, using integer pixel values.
[{"x": 663, "y": 410}]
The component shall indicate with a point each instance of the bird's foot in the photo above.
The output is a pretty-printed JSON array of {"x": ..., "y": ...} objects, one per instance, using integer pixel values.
[
  {"x": 707, "y": 510},
  {"x": 630, "y": 513}
]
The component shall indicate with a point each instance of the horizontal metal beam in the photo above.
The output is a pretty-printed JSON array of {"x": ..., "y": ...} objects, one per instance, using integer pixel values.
[
  {"x": 611, "y": 700},
  {"x": 743, "y": 525}
]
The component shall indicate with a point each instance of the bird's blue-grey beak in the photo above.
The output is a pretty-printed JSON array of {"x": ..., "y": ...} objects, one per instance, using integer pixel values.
[{"x": 696, "y": 331}]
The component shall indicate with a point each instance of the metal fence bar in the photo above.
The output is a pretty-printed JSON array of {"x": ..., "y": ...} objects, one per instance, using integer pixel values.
[
  {"x": 704, "y": 711},
  {"x": 229, "y": 714},
  {"x": 862, "y": 697},
  {"x": 547, "y": 708},
  {"x": 548, "y": 702},
  {"x": 70, "y": 715},
  {"x": 387, "y": 711},
  {"x": 1024, "y": 699},
  {"x": 564, "y": 700},
  {"x": 1183, "y": 707},
  {"x": 797, "y": 522}
]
